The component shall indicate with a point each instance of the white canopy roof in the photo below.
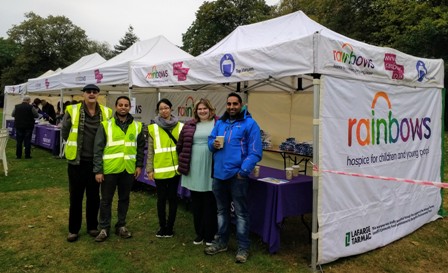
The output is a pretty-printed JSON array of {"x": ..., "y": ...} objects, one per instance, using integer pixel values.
[
  {"x": 116, "y": 70},
  {"x": 293, "y": 45},
  {"x": 55, "y": 80}
]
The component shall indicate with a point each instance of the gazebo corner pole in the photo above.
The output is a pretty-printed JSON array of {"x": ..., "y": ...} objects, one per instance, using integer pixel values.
[{"x": 316, "y": 124}]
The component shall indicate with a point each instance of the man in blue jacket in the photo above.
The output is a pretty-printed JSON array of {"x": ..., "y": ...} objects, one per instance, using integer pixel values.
[{"x": 233, "y": 162}]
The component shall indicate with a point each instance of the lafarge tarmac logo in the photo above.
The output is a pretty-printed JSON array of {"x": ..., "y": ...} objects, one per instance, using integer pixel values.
[{"x": 357, "y": 236}]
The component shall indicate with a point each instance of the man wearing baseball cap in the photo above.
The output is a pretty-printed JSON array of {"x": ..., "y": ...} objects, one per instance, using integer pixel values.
[{"x": 79, "y": 126}]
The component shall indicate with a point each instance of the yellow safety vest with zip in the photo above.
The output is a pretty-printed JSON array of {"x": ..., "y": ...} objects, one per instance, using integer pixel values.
[
  {"x": 165, "y": 155},
  {"x": 121, "y": 149},
  {"x": 71, "y": 147}
]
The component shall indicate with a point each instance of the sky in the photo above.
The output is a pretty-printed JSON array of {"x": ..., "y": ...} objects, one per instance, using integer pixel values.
[{"x": 109, "y": 20}]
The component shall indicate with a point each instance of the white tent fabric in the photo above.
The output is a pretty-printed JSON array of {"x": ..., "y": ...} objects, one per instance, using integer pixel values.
[
  {"x": 292, "y": 45},
  {"x": 295, "y": 45},
  {"x": 54, "y": 81},
  {"x": 116, "y": 70}
]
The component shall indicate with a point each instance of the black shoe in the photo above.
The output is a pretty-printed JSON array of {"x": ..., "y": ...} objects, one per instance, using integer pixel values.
[
  {"x": 28, "y": 157},
  {"x": 160, "y": 233},
  {"x": 168, "y": 233},
  {"x": 198, "y": 240}
]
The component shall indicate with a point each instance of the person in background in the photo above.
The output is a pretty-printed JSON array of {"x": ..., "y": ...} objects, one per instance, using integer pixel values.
[
  {"x": 79, "y": 126},
  {"x": 195, "y": 165},
  {"x": 233, "y": 163},
  {"x": 24, "y": 115},
  {"x": 48, "y": 108},
  {"x": 119, "y": 152},
  {"x": 161, "y": 164},
  {"x": 42, "y": 114}
]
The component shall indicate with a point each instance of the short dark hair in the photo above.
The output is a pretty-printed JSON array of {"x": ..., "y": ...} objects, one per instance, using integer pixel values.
[
  {"x": 233, "y": 94},
  {"x": 166, "y": 101},
  {"x": 123, "y": 97}
]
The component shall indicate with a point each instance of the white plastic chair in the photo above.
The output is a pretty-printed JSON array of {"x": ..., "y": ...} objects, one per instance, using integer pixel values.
[{"x": 4, "y": 136}]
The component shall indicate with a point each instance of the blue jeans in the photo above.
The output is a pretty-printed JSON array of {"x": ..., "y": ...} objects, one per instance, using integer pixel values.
[{"x": 235, "y": 190}]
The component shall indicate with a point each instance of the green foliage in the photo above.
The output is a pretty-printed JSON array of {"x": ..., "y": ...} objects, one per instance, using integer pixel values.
[
  {"x": 127, "y": 41},
  {"x": 101, "y": 48},
  {"x": 46, "y": 43},
  {"x": 215, "y": 20}
]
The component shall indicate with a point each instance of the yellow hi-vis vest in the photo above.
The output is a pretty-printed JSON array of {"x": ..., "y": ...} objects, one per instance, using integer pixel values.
[
  {"x": 121, "y": 149},
  {"x": 165, "y": 155},
  {"x": 71, "y": 147}
]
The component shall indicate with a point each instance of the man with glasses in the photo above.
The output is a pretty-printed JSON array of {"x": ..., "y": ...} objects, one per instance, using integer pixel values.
[
  {"x": 233, "y": 162},
  {"x": 79, "y": 126}
]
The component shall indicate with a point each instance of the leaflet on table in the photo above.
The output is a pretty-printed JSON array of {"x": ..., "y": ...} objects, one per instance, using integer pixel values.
[{"x": 273, "y": 180}]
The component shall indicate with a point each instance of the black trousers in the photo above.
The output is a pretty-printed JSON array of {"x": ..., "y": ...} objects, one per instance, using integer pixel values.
[
  {"x": 23, "y": 137},
  {"x": 123, "y": 181},
  {"x": 82, "y": 179},
  {"x": 204, "y": 214},
  {"x": 167, "y": 191}
]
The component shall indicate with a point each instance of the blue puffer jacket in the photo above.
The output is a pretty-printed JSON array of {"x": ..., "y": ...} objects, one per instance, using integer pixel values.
[{"x": 242, "y": 146}]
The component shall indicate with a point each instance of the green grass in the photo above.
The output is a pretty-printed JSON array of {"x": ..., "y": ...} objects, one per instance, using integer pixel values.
[{"x": 33, "y": 230}]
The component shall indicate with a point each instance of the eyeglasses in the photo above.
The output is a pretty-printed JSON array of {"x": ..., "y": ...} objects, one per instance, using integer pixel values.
[{"x": 91, "y": 91}]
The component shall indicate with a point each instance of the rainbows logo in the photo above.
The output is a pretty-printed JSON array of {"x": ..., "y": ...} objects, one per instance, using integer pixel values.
[
  {"x": 348, "y": 56},
  {"x": 387, "y": 130}
]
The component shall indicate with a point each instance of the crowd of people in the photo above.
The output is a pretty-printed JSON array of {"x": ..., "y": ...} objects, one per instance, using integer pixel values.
[{"x": 105, "y": 151}]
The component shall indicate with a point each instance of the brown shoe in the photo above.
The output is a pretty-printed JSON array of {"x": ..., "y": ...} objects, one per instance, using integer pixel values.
[
  {"x": 102, "y": 236},
  {"x": 123, "y": 232},
  {"x": 93, "y": 232},
  {"x": 72, "y": 237}
]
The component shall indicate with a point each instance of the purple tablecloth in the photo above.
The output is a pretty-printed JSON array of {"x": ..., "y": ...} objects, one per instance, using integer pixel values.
[
  {"x": 270, "y": 203},
  {"x": 45, "y": 136}
]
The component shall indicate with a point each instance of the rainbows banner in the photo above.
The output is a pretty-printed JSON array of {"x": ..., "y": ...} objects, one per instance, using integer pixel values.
[{"x": 375, "y": 131}]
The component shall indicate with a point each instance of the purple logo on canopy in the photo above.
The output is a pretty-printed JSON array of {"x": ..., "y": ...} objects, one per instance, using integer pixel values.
[{"x": 227, "y": 65}]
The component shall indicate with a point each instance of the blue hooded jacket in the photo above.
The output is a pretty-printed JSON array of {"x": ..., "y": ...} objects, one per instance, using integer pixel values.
[{"x": 242, "y": 146}]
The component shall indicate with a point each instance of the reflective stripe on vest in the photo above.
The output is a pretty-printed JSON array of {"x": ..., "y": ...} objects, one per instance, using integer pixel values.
[
  {"x": 120, "y": 154},
  {"x": 71, "y": 146},
  {"x": 165, "y": 158}
]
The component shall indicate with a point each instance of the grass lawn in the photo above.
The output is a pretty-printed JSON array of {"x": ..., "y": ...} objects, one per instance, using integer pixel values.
[{"x": 33, "y": 230}]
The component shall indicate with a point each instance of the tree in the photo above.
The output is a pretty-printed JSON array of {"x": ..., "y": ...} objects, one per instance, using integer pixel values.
[
  {"x": 215, "y": 20},
  {"x": 129, "y": 39},
  {"x": 101, "y": 48},
  {"x": 46, "y": 43}
]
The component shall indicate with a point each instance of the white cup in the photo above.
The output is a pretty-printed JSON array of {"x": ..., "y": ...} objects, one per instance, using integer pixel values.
[
  {"x": 289, "y": 173},
  {"x": 257, "y": 171},
  {"x": 221, "y": 141},
  {"x": 295, "y": 170}
]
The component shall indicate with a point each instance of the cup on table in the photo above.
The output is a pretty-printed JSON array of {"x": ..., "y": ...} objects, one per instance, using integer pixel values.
[
  {"x": 257, "y": 171},
  {"x": 288, "y": 173},
  {"x": 220, "y": 139},
  {"x": 295, "y": 170}
]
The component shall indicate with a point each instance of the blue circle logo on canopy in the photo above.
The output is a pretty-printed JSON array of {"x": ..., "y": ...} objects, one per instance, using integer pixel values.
[{"x": 227, "y": 65}]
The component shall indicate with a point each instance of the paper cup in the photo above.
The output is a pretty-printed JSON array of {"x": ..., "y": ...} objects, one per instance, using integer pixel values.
[
  {"x": 288, "y": 173},
  {"x": 295, "y": 170},
  {"x": 257, "y": 171},
  {"x": 221, "y": 141}
]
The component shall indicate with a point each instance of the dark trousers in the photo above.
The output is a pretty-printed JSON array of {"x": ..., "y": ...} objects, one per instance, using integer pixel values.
[
  {"x": 167, "y": 191},
  {"x": 23, "y": 137},
  {"x": 82, "y": 179},
  {"x": 204, "y": 214},
  {"x": 123, "y": 181}
]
